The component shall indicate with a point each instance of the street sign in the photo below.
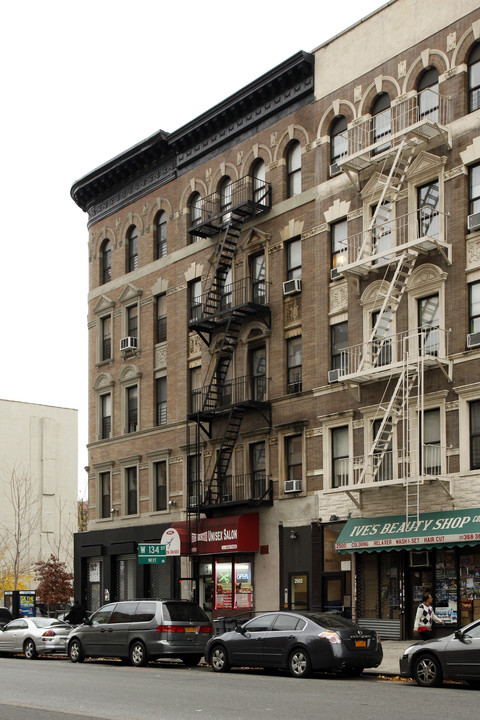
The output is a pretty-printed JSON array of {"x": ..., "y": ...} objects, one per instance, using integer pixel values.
[{"x": 151, "y": 554}]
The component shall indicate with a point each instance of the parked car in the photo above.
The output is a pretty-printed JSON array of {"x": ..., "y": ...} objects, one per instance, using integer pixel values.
[
  {"x": 300, "y": 642},
  {"x": 454, "y": 657},
  {"x": 5, "y": 616},
  {"x": 34, "y": 636},
  {"x": 143, "y": 630}
]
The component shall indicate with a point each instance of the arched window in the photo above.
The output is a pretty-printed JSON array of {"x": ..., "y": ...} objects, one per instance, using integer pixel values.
[
  {"x": 161, "y": 235},
  {"x": 474, "y": 78},
  {"x": 106, "y": 262},
  {"x": 132, "y": 248},
  {"x": 225, "y": 192},
  {"x": 428, "y": 94},
  {"x": 294, "y": 169},
  {"x": 259, "y": 186},
  {"x": 381, "y": 121},
  {"x": 195, "y": 208},
  {"x": 338, "y": 142}
]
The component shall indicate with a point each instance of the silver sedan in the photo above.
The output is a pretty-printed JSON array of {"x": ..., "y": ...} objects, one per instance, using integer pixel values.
[{"x": 34, "y": 636}]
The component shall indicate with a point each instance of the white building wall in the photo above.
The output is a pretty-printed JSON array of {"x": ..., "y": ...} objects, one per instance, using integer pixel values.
[{"x": 42, "y": 441}]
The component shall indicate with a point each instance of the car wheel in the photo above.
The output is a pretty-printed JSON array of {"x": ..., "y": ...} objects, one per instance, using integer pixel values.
[
  {"x": 190, "y": 660},
  {"x": 299, "y": 664},
  {"x": 138, "y": 654},
  {"x": 427, "y": 671},
  {"x": 219, "y": 659},
  {"x": 75, "y": 651},
  {"x": 30, "y": 650}
]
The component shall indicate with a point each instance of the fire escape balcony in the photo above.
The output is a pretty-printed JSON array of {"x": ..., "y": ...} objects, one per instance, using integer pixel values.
[
  {"x": 423, "y": 464},
  {"x": 423, "y": 230},
  {"x": 422, "y": 118},
  {"x": 241, "y": 299},
  {"x": 249, "y": 197},
  {"x": 253, "y": 489},
  {"x": 381, "y": 359},
  {"x": 247, "y": 392}
]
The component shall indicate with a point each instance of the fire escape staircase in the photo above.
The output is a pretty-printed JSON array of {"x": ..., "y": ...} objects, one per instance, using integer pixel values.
[{"x": 226, "y": 323}]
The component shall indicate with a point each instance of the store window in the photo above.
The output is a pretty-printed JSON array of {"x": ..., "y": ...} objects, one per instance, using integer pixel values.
[
  {"x": 469, "y": 589},
  {"x": 378, "y": 585},
  {"x": 233, "y": 585}
]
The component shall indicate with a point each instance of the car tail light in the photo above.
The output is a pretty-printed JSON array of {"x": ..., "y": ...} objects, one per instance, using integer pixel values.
[
  {"x": 331, "y": 637},
  {"x": 204, "y": 629},
  {"x": 170, "y": 629},
  {"x": 49, "y": 633}
]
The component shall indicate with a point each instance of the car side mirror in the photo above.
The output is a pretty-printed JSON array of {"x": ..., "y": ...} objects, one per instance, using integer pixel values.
[{"x": 240, "y": 629}]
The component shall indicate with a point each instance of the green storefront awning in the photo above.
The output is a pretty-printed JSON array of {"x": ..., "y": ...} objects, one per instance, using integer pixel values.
[{"x": 375, "y": 534}]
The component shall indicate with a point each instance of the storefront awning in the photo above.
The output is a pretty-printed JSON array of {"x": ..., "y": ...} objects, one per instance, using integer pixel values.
[{"x": 447, "y": 529}]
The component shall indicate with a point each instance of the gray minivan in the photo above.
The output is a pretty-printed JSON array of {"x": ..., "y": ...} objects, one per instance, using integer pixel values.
[{"x": 143, "y": 630}]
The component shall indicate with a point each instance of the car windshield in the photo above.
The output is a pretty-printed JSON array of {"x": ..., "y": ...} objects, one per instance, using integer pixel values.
[
  {"x": 184, "y": 612},
  {"x": 332, "y": 621}
]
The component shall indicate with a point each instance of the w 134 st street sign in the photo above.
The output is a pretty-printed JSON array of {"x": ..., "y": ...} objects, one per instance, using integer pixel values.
[{"x": 151, "y": 554}]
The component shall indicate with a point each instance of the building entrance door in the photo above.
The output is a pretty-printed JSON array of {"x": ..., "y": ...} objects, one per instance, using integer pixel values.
[
  {"x": 420, "y": 582},
  {"x": 333, "y": 592}
]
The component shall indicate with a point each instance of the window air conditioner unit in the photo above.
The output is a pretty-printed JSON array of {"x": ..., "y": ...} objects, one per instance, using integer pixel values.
[
  {"x": 473, "y": 340},
  {"x": 129, "y": 343},
  {"x": 419, "y": 558},
  {"x": 334, "y": 170},
  {"x": 473, "y": 221},
  {"x": 290, "y": 287},
  {"x": 293, "y": 486},
  {"x": 334, "y": 376},
  {"x": 335, "y": 274}
]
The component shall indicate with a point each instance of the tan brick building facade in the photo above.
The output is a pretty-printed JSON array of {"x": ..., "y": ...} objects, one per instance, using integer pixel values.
[{"x": 280, "y": 298}]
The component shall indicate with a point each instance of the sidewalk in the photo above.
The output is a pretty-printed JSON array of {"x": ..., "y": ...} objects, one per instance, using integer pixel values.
[{"x": 392, "y": 651}]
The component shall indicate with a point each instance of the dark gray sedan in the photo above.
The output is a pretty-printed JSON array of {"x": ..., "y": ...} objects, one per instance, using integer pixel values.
[
  {"x": 34, "y": 636},
  {"x": 300, "y": 642},
  {"x": 455, "y": 657}
]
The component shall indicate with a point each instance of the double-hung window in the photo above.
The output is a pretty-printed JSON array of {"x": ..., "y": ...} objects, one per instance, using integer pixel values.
[
  {"x": 294, "y": 169},
  {"x": 131, "y": 487},
  {"x": 430, "y": 451},
  {"x": 161, "y": 324},
  {"x": 132, "y": 248},
  {"x": 474, "y": 307},
  {"x": 294, "y": 259},
  {"x": 338, "y": 236},
  {"x": 339, "y": 344},
  {"x": 161, "y": 400},
  {"x": 427, "y": 201},
  {"x": 161, "y": 235},
  {"x": 294, "y": 365},
  {"x": 340, "y": 456},
  {"x": 106, "y": 416},
  {"x": 132, "y": 408},
  {"x": 474, "y": 79},
  {"x": 428, "y": 324},
  {"x": 474, "y": 191},
  {"x": 160, "y": 485},
  {"x": 293, "y": 456},
  {"x": 475, "y": 435},
  {"x": 106, "y": 338},
  {"x": 105, "y": 496}
]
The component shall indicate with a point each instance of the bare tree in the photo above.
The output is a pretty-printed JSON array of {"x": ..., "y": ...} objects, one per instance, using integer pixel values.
[{"x": 20, "y": 519}]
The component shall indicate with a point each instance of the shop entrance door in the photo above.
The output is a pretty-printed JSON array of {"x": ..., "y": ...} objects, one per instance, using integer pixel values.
[
  {"x": 420, "y": 582},
  {"x": 333, "y": 592}
]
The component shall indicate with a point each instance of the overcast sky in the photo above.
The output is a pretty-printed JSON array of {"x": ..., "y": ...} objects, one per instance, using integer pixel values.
[{"x": 81, "y": 83}]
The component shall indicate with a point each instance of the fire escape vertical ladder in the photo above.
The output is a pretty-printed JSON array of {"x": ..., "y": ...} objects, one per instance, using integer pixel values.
[
  {"x": 391, "y": 301},
  {"x": 224, "y": 358},
  {"x": 225, "y": 253},
  {"x": 391, "y": 414},
  {"x": 229, "y": 440}
]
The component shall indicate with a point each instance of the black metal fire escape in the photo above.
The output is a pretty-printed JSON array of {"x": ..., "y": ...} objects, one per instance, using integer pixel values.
[{"x": 225, "y": 307}]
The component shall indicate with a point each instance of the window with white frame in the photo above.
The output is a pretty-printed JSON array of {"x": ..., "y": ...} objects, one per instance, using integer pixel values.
[
  {"x": 338, "y": 346},
  {"x": 294, "y": 364},
  {"x": 430, "y": 443},
  {"x": 293, "y": 458},
  {"x": 105, "y": 415},
  {"x": 383, "y": 452},
  {"x": 160, "y": 235},
  {"x": 382, "y": 231},
  {"x": 131, "y": 401},
  {"x": 381, "y": 122},
  {"x": 474, "y": 307},
  {"x": 225, "y": 193},
  {"x": 132, "y": 248},
  {"x": 161, "y": 400},
  {"x": 195, "y": 293},
  {"x": 259, "y": 184},
  {"x": 474, "y": 78},
  {"x": 132, "y": 320},
  {"x": 294, "y": 259},
  {"x": 196, "y": 398},
  {"x": 257, "y": 275},
  {"x": 428, "y": 324},
  {"x": 338, "y": 239},
  {"x": 338, "y": 139},
  {"x": 474, "y": 189},
  {"x": 428, "y": 199},
  {"x": 427, "y": 88},
  {"x": 294, "y": 169},
  {"x": 340, "y": 456},
  {"x": 195, "y": 211}
]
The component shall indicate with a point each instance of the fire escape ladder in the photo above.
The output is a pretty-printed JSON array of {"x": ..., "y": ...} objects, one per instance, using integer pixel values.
[
  {"x": 391, "y": 300},
  {"x": 391, "y": 414},
  {"x": 391, "y": 186},
  {"x": 215, "y": 488},
  {"x": 226, "y": 250},
  {"x": 224, "y": 357}
]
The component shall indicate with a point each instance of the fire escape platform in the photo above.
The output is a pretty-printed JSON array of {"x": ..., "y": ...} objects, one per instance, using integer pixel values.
[{"x": 394, "y": 369}]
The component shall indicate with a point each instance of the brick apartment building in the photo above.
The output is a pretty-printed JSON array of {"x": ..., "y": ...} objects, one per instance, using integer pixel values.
[{"x": 284, "y": 318}]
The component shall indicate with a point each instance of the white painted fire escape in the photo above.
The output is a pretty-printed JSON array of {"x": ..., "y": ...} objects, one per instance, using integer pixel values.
[{"x": 400, "y": 360}]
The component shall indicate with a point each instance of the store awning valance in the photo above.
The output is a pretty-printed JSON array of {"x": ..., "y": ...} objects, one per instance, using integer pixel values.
[{"x": 393, "y": 532}]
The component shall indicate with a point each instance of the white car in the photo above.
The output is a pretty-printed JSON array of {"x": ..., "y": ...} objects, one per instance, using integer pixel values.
[{"x": 34, "y": 636}]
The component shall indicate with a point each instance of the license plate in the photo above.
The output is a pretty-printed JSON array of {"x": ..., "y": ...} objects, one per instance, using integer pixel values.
[
  {"x": 360, "y": 643},
  {"x": 189, "y": 629}
]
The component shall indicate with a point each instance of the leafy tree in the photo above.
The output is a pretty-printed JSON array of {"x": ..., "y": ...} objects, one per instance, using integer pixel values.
[{"x": 54, "y": 582}]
